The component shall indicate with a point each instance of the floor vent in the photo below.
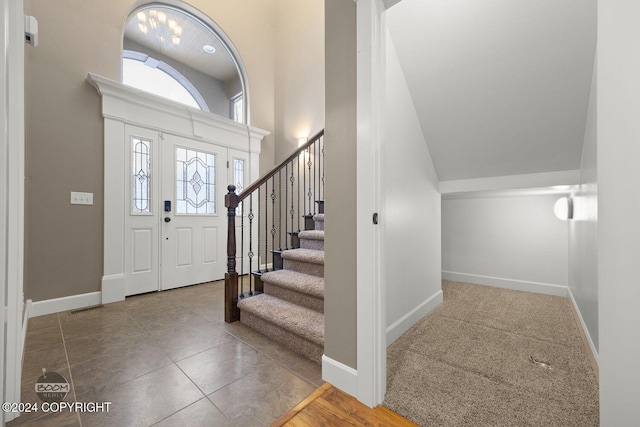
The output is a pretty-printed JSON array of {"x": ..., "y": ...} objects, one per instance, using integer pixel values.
[{"x": 80, "y": 310}]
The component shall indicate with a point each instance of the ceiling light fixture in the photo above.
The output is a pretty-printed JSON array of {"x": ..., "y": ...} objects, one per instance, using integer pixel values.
[
  {"x": 160, "y": 25},
  {"x": 208, "y": 48}
]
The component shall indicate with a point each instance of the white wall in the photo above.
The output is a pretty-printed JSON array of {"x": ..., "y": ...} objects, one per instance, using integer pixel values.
[
  {"x": 411, "y": 209},
  {"x": 583, "y": 230},
  {"x": 507, "y": 240},
  {"x": 618, "y": 152}
]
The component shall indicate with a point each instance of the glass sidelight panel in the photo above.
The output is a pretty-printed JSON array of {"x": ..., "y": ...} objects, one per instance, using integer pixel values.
[
  {"x": 195, "y": 182},
  {"x": 238, "y": 180},
  {"x": 141, "y": 179}
]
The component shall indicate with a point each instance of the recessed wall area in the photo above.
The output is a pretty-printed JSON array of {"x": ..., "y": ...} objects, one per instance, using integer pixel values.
[{"x": 510, "y": 239}]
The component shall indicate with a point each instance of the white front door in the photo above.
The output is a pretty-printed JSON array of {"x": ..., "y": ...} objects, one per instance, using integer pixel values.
[
  {"x": 194, "y": 220},
  {"x": 175, "y": 218}
]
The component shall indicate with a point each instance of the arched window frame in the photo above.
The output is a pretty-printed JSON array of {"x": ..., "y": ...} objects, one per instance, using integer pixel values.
[
  {"x": 213, "y": 27},
  {"x": 173, "y": 73}
]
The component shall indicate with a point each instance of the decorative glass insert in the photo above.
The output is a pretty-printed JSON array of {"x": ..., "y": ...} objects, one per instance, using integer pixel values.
[
  {"x": 195, "y": 182},
  {"x": 141, "y": 179},
  {"x": 238, "y": 174},
  {"x": 238, "y": 180}
]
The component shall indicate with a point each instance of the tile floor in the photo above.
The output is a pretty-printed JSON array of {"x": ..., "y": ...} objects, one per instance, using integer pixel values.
[{"x": 165, "y": 359}]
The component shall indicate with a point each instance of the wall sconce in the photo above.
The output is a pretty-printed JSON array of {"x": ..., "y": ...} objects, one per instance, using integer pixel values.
[
  {"x": 563, "y": 208},
  {"x": 302, "y": 140}
]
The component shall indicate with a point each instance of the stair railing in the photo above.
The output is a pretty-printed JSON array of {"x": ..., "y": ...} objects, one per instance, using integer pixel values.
[{"x": 271, "y": 211}]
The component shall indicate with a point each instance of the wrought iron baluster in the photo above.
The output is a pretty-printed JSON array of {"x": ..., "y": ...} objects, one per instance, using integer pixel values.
[
  {"x": 266, "y": 226},
  {"x": 304, "y": 185},
  {"x": 322, "y": 142},
  {"x": 250, "y": 216},
  {"x": 286, "y": 205},
  {"x": 309, "y": 164},
  {"x": 280, "y": 210},
  {"x": 273, "y": 222},
  {"x": 298, "y": 169},
  {"x": 292, "y": 212},
  {"x": 259, "y": 269},
  {"x": 241, "y": 248},
  {"x": 315, "y": 164}
]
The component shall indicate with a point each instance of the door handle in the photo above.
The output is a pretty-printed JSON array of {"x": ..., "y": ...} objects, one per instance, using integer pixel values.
[{"x": 167, "y": 219}]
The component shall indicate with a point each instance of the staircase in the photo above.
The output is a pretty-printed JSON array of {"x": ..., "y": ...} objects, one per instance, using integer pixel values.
[
  {"x": 291, "y": 308},
  {"x": 281, "y": 294}
]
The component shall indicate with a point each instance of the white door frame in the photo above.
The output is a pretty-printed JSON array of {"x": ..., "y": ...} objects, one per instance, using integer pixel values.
[
  {"x": 371, "y": 309},
  {"x": 11, "y": 200},
  {"x": 122, "y": 105}
]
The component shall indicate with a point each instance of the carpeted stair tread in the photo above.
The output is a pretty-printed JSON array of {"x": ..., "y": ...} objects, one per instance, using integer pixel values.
[
  {"x": 319, "y": 221},
  {"x": 304, "y": 322},
  {"x": 304, "y": 255},
  {"x": 299, "y": 282},
  {"x": 312, "y": 234}
]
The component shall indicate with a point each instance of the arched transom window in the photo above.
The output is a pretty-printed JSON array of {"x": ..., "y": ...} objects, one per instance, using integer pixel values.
[{"x": 175, "y": 53}]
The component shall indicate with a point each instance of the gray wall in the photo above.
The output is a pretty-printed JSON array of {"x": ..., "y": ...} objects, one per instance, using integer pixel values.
[
  {"x": 299, "y": 101},
  {"x": 618, "y": 154},
  {"x": 340, "y": 155},
  {"x": 583, "y": 229},
  {"x": 212, "y": 90}
]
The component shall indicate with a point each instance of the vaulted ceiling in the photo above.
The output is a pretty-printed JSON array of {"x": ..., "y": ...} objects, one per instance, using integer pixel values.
[{"x": 501, "y": 87}]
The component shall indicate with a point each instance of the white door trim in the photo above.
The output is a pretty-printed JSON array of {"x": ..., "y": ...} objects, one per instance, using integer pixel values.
[
  {"x": 371, "y": 310},
  {"x": 12, "y": 200},
  {"x": 122, "y": 105}
]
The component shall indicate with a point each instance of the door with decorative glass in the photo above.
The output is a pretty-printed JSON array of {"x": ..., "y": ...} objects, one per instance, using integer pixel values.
[
  {"x": 193, "y": 225},
  {"x": 141, "y": 239}
]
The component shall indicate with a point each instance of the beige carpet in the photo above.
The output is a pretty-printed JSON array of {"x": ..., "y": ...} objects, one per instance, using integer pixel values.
[{"x": 468, "y": 363}]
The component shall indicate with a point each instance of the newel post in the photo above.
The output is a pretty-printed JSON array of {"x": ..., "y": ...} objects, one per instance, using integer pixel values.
[{"x": 231, "y": 312}]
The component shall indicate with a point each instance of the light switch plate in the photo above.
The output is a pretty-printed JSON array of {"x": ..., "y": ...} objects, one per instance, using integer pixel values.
[{"x": 81, "y": 198}]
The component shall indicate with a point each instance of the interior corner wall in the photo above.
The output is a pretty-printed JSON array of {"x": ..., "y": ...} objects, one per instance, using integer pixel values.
[
  {"x": 583, "y": 229},
  {"x": 411, "y": 208},
  {"x": 618, "y": 153},
  {"x": 299, "y": 73},
  {"x": 340, "y": 171},
  {"x": 64, "y": 126},
  {"x": 507, "y": 239}
]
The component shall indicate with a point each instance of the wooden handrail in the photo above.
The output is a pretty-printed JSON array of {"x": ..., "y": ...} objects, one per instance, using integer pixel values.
[{"x": 254, "y": 186}]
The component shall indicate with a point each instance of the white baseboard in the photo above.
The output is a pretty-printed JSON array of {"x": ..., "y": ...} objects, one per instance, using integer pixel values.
[
  {"x": 40, "y": 308},
  {"x": 584, "y": 327},
  {"x": 113, "y": 288},
  {"x": 341, "y": 376},
  {"x": 396, "y": 330},
  {"x": 516, "y": 285}
]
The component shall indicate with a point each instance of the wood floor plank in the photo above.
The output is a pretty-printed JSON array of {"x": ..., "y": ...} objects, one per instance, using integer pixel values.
[
  {"x": 328, "y": 406},
  {"x": 360, "y": 414},
  {"x": 317, "y": 414},
  {"x": 300, "y": 406}
]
